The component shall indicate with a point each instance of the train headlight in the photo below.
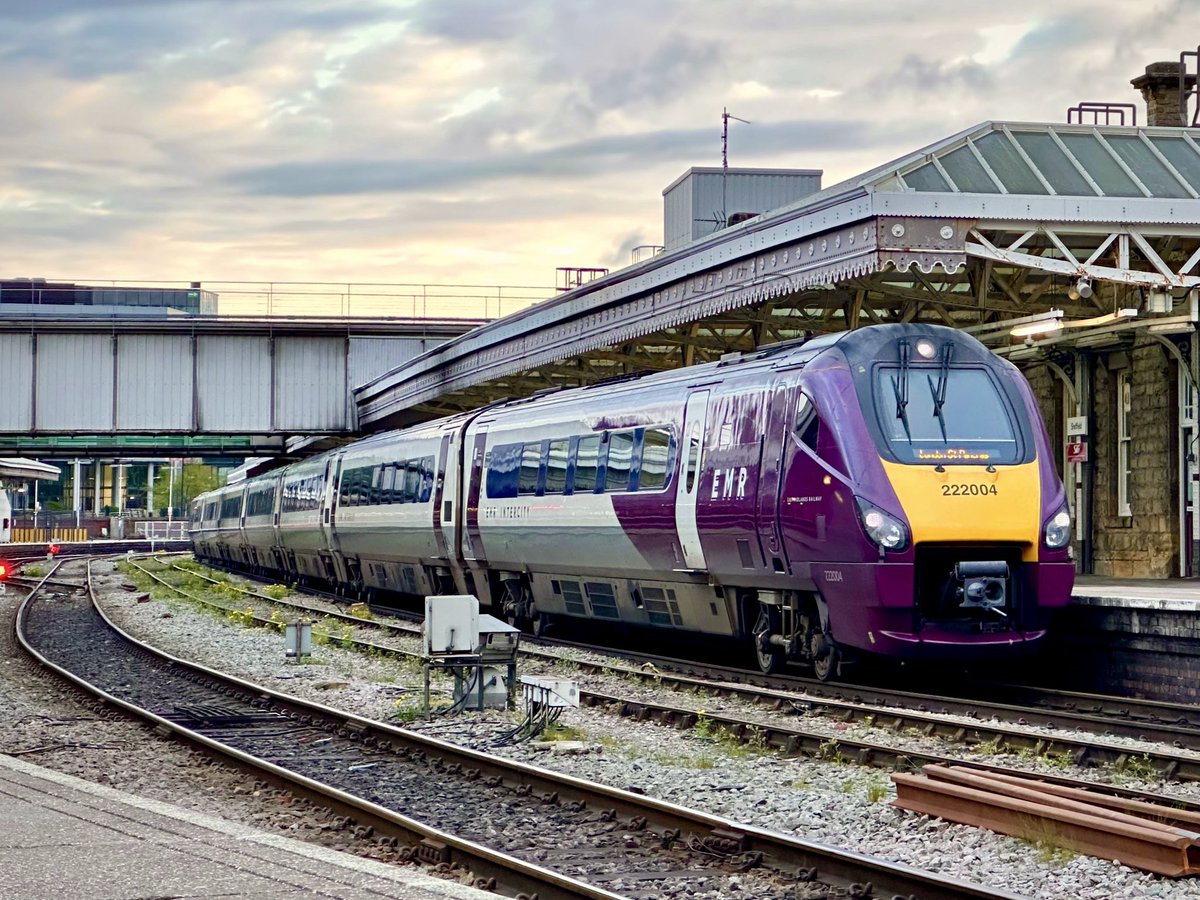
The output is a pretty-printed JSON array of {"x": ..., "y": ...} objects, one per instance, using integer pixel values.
[
  {"x": 886, "y": 531},
  {"x": 1058, "y": 530}
]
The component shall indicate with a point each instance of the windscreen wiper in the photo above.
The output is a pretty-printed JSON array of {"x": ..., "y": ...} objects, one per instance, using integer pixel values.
[
  {"x": 939, "y": 392},
  {"x": 900, "y": 389}
]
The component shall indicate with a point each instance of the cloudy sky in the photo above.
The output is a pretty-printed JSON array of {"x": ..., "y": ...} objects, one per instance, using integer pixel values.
[{"x": 484, "y": 141}]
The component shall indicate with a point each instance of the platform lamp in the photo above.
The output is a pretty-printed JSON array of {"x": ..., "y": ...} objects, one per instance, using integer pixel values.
[{"x": 1041, "y": 323}]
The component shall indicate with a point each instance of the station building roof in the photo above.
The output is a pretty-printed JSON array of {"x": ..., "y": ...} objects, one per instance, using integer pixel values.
[{"x": 1000, "y": 220}]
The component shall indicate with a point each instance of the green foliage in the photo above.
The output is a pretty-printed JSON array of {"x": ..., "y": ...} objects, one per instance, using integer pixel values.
[
  {"x": 407, "y": 709},
  {"x": 558, "y": 732},
  {"x": 276, "y": 591},
  {"x": 241, "y": 616},
  {"x": 704, "y": 727},
  {"x": 876, "y": 791},
  {"x": 34, "y": 571},
  {"x": 191, "y": 480},
  {"x": 830, "y": 751},
  {"x": 361, "y": 611},
  {"x": 331, "y": 631},
  {"x": 1044, "y": 836},
  {"x": 1134, "y": 768}
]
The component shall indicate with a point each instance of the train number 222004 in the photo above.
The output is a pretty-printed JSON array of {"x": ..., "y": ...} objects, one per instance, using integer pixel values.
[{"x": 969, "y": 490}]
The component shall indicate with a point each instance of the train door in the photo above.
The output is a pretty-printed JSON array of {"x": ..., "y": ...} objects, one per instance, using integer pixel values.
[
  {"x": 688, "y": 484},
  {"x": 770, "y": 474},
  {"x": 472, "y": 543},
  {"x": 328, "y": 512},
  {"x": 442, "y": 509}
]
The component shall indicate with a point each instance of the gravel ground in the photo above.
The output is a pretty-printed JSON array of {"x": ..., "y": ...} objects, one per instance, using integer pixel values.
[
  {"x": 840, "y": 804},
  {"x": 45, "y": 723}
]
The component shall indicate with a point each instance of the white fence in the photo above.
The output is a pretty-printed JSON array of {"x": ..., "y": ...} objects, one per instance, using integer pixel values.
[{"x": 161, "y": 531}]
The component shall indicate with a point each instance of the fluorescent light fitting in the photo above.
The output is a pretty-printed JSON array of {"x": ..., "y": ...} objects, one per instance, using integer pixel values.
[
  {"x": 1040, "y": 323},
  {"x": 1029, "y": 329}
]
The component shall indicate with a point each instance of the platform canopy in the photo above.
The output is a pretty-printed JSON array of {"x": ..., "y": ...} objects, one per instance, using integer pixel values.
[
  {"x": 28, "y": 469},
  {"x": 1001, "y": 223}
]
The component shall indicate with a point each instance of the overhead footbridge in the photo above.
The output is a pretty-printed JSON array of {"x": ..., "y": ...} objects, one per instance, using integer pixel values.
[
  {"x": 996, "y": 225},
  {"x": 192, "y": 385}
]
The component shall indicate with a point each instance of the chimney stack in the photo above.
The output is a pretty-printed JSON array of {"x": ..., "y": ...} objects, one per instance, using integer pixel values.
[{"x": 1165, "y": 105}]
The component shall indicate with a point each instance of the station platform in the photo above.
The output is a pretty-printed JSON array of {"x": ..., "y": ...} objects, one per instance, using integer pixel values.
[
  {"x": 64, "y": 837},
  {"x": 1182, "y": 594},
  {"x": 1135, "y": 636}
]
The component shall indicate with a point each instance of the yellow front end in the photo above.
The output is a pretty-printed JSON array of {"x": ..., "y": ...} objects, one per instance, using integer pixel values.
[{"x": 969, "y": 504}]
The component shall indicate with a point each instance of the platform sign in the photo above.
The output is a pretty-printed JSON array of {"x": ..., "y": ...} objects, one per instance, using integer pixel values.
[
  {"x": 1076, "y": 425},
  {"x": 1077, "y": 452}
]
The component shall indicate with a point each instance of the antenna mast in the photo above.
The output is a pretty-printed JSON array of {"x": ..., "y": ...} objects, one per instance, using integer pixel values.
[{"x": 725, "y": 117}]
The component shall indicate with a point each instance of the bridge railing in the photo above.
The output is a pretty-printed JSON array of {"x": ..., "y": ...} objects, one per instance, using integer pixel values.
[{"x": 368, "y": 300}]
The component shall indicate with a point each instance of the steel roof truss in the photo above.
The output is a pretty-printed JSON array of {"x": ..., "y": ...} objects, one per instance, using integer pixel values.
[{"x": 1162, "y": 277}]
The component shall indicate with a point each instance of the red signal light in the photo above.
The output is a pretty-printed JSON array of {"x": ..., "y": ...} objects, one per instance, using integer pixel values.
[
  {"x": 53, "y": 549},
  {"x": 3, "y": 570}
]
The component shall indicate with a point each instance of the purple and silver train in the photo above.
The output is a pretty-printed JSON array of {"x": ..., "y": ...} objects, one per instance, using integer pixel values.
[{"x": 886, "y": 491}]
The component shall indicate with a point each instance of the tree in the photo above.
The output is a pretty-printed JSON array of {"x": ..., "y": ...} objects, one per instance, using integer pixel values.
[{"x": 191, "y": 480}]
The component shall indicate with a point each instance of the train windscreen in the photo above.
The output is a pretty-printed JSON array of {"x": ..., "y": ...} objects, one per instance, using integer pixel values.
[{"x": 950, "y": 416}]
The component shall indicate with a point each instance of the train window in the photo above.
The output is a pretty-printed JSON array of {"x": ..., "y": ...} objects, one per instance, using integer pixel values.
[
  {"x": 503, "y": 464},
  {"x": 426, "y": 493},
  {"x": 809, "y": 430},
  {"x": 556, "y": 466},
  {"x": 693, "y": 458},
  {"x": 375, "y": 487},
  {"x": 261, "y": 502},
  {"x": 959, "y": 418},
  {"x": 620, "y": 460},
  {"x": 587, "y": 454},
  {"x": 656, "y": 454},
  {"x": 387, "y": 484},
  {"x": 231, "y": 507},
  {"x": 412, "y": 481},
  {"x": 531, "y": 467}
]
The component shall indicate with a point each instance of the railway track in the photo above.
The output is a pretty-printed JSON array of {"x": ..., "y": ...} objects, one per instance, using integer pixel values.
[
  {"x": 899, "y": 711},
  {"x": 523, "y": 829}
]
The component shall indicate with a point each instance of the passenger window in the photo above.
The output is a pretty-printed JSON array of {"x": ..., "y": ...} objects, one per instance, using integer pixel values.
[
  {"x": 412, "y": 481},
  {"x": 693, "y": 459},
  {"x": 556, "y": 467},
  {"x": 620, "y": 457},
  {"x": 587, "y": 453},
  {"x": 502, "y": 464},
  {"x": 426, "y": 480},
  {"x": 531, "y": 466},
  {"x": 656, "y": 451}
]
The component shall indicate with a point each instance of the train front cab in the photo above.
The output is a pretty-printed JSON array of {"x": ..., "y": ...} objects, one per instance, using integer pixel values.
[{"x": 948, "y": 535}]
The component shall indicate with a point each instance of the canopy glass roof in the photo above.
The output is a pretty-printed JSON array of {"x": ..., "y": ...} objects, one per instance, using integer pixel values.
[{"x": 1077, "y": 161}]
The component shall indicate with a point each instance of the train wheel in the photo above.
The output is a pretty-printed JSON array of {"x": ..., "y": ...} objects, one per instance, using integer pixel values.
[
  {"x": 826, "y": 657},
  {"x": 770, "y": 658},
  {"x": 517, "y": 604},
  {"x": 540, "y": 623}
]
